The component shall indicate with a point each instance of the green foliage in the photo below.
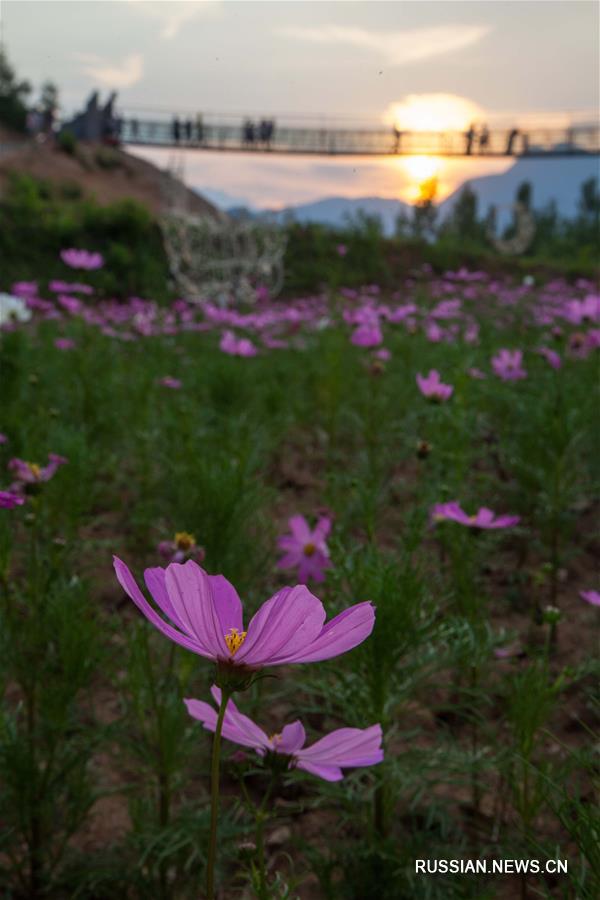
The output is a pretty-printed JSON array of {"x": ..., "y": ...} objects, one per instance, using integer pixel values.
[
  {"x": 13, "y": 95},
  {"x": 39, "y": 219}
]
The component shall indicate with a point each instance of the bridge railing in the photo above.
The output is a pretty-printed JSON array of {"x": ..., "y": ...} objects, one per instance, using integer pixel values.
[{"x": 223, "y": 136}]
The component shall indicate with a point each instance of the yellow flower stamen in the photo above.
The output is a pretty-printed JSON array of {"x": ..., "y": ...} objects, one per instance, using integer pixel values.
[
  {"x": 34, "y": 469},
  {"x": 234, "y": 640},
  {"x": 275, "y": 739},
  {"x": 309, "y": 549},
  {"x": 184, "y": 540}
]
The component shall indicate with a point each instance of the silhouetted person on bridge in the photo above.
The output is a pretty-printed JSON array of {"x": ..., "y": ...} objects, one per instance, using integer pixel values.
[
  {"x": 187, "y": 130},
  {"x": 397, "y": 139},
  {"x": 510, "y": 145},
  {"x": 248, "y": 131},
  {"x": 176, "y": 130},
  {"x": 265, "y": 131},
  {"x": 484, "y": 139},
  {"x": 199, "y": 128},
  {"x": 470, "y": 137}
]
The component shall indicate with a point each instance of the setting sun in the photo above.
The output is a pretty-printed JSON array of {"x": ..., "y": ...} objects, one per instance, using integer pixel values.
[
  {"x": 433, "y": 112},
  {"x": 429, "y": 113}
]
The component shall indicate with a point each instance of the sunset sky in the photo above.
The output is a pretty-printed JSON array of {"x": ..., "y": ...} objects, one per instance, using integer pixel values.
[{"x": 451, "y": 62}]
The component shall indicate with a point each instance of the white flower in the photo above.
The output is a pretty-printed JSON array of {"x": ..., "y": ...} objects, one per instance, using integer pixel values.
[{"x": 13, "y": 309}]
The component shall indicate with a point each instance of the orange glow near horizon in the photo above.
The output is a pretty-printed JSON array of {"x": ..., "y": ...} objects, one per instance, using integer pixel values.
[{"x": 430, "y": 112}]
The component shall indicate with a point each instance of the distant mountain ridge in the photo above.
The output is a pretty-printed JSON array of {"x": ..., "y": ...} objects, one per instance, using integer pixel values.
[{"x": 557, "y": 180}]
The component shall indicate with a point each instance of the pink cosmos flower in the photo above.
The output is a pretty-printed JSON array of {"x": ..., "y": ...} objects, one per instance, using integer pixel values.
[
  {"x": 383, "y": 354},
  {"x": 507, "y": 364},
  {"x": 508, "y": 651},
  {"x": 169, "y": 382},
  {"x": 484, "y": 518},
  {"x": 341, "y": 250},
  {"x": 82, "y": 259},
  {"x": 182, "y": 547},
  {"x": 203, "y": 613},
  {"x": 434, "y": 389},
  {"x": 368, "y": 334},
  {"x": 9, "y": 499},
  {"x": 236, "y": 346},
  {"x": 32, "y": 473},
  {"x": 63, "y": 343},
  {"x": 3, "y": 438},
  {"x": 306, "y": 550},
  {"x": 344, "y": 748},
  {"x": 551, "y": 356},
  {"x": 592, "y": 597},
  {"x": 476, "y": 373}
]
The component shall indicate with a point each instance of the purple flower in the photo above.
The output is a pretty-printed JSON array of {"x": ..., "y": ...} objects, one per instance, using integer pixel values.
[
  {"x": 476, "y": 373},
  {"x": 383, "y": 354},
  {"x": 341, "y": 250},
  {"x": 306, "y": 549},
  {"x": 182, "y": 547},
  {"x": 3, "y": 438},
  {"x": 507, "y": 364},
  {"x": 203, "y": 613},
  {"x": 63, "y": 343},
  {"x": 82, "y": 259},
  {"x": 9, "y": 499},
  {"x": 551, "y": 356},
  {"x": 236, "y": 346},
  {"x": 368, "y": 334},
  {"x": 434, "y": 389},
  {"x": 169, "y": 382},
  {"x": 592, "y": 597},
  {"x": 484, "y": 518},
  {"x": 32, "y": 473},
  {"x": 344, "y": 748}
]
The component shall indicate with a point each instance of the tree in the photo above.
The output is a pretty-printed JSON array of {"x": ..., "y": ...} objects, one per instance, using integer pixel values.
[
  {"x": 49, "y": 98},
  {"x": 589, "y": 202},
  {"x": 524, "y": 194},
  {"x": 425, "y": 210},
  {"x": 462, "y": 221},
  {"x": 13, "y": 96}
]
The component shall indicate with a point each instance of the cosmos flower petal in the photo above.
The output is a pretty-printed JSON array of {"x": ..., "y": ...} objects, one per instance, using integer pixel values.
[
  {"x": 342, "y": 633},
  {"x": 285, "y": 625},
  {"x": 155, "y": 582},
  {"x": 293, "y": 737},
  {"x": 300, "y": 530},
  {"x": 127, "y": 582},
  {"x": 227, "y": 603},
  {"x": 346, "y": 747},
  {"x": 191, "y": 594}
]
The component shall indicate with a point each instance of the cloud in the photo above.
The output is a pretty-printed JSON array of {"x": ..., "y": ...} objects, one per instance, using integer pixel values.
[
  {"x": 175, "y": 13},
  {"x": 112, "y": 75},
  {"x": 398, "y": 47}
]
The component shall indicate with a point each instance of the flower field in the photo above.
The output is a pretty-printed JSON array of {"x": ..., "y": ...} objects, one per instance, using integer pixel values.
[{"x": 352, "y": 619}]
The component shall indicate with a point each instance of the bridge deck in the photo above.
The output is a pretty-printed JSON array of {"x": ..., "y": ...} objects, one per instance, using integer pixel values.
[{"x": 229, "y": 137}]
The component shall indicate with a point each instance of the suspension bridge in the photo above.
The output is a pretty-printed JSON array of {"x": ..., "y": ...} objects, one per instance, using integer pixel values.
[{"x": 268, "y": 136}]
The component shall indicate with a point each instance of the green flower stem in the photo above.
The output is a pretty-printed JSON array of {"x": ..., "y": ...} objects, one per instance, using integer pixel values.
[{"x": 214, "y": 798}]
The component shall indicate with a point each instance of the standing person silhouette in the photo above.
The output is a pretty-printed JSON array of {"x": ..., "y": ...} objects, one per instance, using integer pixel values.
[
  {"x": 470, "y": 137},
  {"x": 510, "y": 145},
  {"x": 484, "y": 139},
  {"x": 176, "y": 130}
]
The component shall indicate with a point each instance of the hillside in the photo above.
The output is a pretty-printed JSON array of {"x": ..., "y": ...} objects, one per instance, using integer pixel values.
[
  {"x": 105, "y": 174},
  {"x": 557, "y": 180}
]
